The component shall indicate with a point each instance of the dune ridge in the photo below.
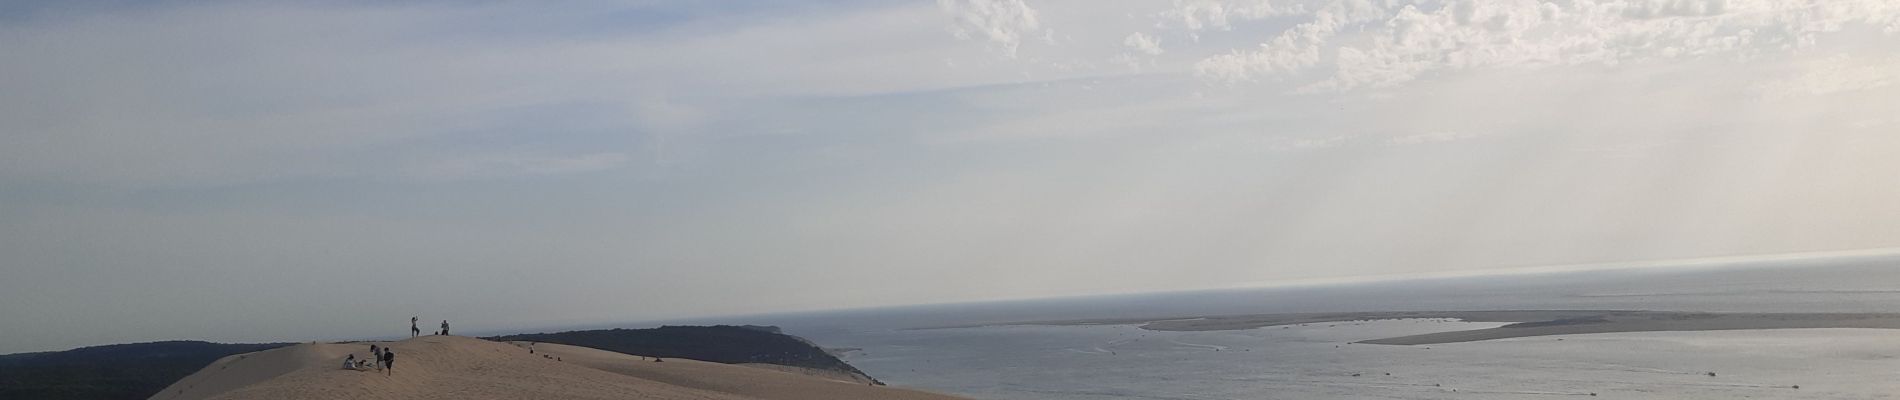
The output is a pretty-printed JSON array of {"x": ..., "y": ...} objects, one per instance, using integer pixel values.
[{"x": 453, "y": 367}]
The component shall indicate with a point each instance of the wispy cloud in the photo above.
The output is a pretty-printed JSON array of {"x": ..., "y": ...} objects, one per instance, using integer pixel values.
[
  {"x": 1220, "y": 15},
  {"x": 1836, "y": 74},
  {"x": 1356, "y": 44},
  {"x": 1001, "y": 22},
  {"x": 166, "y": 95}
]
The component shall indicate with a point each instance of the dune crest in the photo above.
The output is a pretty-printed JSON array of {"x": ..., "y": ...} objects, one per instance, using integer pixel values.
[
  {"x": 236, "y": 371},
  {"x": 454, "y": 367}
]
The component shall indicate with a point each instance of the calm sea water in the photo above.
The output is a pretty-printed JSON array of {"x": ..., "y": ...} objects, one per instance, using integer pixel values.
[
  {"x": 1313, "y": 362},
  {"x": 1316, "y": 361}
]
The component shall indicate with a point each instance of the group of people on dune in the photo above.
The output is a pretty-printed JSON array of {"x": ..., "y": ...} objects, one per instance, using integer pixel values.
[
  {"x": 385, "y": 360},
  {"x": 415, "y": 331}
]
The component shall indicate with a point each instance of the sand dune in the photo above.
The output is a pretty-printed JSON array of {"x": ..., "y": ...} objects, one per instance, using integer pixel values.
[
  {"x": 816, "y": 373},
  {"x": 452, "y": 367},
  {"x": 236, "y": 371},
  {"x": 776, "y": 382}
]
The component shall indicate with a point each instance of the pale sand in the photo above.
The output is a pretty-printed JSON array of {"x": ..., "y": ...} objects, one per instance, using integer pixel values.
[
  {"x": 753, "y": 382},
  {"x": 453, "y": 367},
  {"x": 815, "y": 373},
  {"x": 1527, "y": 322}
]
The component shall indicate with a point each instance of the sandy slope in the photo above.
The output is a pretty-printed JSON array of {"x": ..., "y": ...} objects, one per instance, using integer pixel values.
[
  {"x": 235, "y": 371},
  {"x": 815, "y": 373},
  {"x": 451, "y": 367},
  {"x": 763, "y": 383}
]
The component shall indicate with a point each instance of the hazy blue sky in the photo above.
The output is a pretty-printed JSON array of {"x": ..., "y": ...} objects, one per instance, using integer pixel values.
[{"x": 316, "y": 170}]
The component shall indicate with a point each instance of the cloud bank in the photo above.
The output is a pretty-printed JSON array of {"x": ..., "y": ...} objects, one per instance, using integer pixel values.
[
  {"x": 1359, "y": 44},
  {"x": 533, "y": 165}
]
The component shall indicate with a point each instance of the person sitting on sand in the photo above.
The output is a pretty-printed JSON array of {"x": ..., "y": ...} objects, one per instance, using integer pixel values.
[{"x": 349, "y": 362}]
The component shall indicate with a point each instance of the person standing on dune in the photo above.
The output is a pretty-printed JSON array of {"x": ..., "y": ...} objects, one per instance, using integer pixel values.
[
  {"x": 445, "y": 327},
  {"x": 389, "y": 362},
  {"x": 413, "y": 330}
]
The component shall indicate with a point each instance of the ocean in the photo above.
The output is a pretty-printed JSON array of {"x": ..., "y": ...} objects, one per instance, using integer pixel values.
[{"x": 1317, "y": 361}]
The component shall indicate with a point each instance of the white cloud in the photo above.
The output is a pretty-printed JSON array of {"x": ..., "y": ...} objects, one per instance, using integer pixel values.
[
  {"x": 1143, "y": 43},
  {"x": 1368, "y": 44},
  {"x": 1292, "y": 50},
  {"x": 1000, "y": 22},
  {"x": 1646, "y": 9},
  {"x": 1197, "y": 15}
]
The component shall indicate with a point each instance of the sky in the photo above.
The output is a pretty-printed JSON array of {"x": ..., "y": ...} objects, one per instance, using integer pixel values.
[{"x": 256, "y": 171}]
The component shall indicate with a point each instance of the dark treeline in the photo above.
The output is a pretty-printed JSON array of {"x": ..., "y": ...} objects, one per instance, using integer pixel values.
[
  {"x": 113, "y": 372},
  {"x": 721, "y": 344}
]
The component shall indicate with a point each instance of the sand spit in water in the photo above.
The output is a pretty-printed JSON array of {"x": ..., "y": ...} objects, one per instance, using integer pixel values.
[{"x": 1525, "y": 322}]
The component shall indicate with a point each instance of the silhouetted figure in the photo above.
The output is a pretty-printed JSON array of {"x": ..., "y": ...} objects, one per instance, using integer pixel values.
[
  {"x": 413, "y": 330},
  {"x": 445, "y": 327},
  {"x": 389, "y": 362}
]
